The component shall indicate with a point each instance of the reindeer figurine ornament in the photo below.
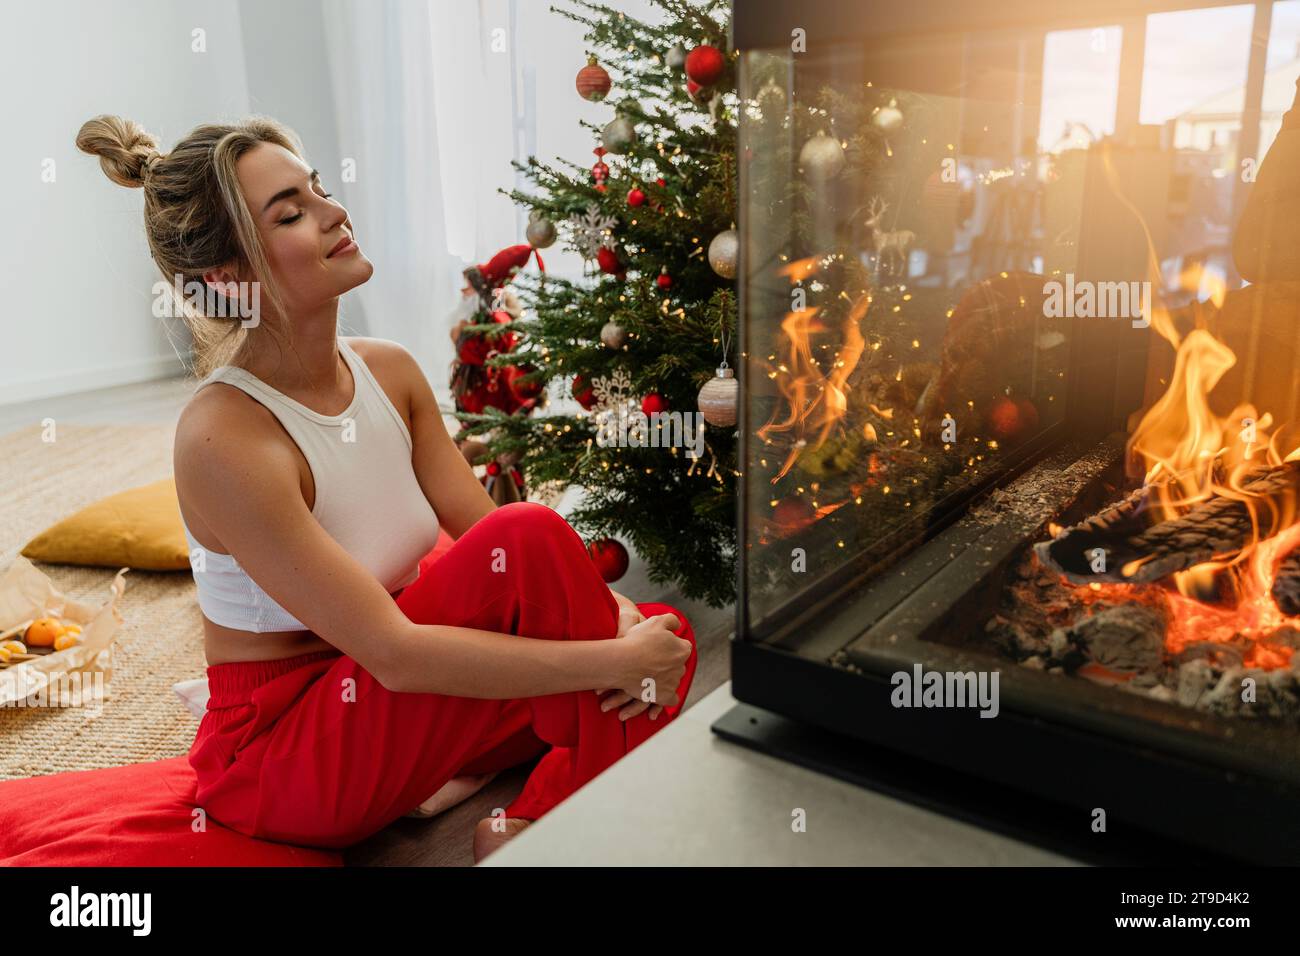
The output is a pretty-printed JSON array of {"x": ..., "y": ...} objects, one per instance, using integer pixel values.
[{"x": 892, "y": 247}]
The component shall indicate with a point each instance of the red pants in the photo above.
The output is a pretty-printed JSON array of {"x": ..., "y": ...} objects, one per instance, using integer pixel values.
[{"x": 314, "y": 751}]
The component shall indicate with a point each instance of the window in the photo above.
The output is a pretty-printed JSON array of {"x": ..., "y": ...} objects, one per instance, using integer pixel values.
[
  {"x": 1080, "y": 87},
  {"x": 1194, "y": 75}
]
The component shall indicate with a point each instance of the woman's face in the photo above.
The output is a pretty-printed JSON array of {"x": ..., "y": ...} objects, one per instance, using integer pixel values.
[{"x": 306, "y": 235}]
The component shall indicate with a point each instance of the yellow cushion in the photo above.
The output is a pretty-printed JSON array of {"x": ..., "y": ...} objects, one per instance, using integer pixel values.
[{"x": 140, "y": 528}]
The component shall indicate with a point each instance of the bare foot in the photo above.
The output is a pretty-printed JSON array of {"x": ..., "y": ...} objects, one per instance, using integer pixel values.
[{"x": 488, "y": 838}]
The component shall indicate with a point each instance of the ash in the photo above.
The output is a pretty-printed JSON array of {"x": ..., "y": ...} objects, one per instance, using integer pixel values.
[{"x": 1047, "y": 624}]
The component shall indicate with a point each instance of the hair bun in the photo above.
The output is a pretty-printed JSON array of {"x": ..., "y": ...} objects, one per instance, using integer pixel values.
[{"x": 124, "y": 149}]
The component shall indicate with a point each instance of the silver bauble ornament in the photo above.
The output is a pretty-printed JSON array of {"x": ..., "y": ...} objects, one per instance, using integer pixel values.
[
  {"x": 888, "y": 118},
  {"x": 822, "y": 157},
  {"x": 719, "y": 397},
  {"x": 613, "y": 335},
  {"x": 676, "y": 57},
  {"x": 540, "y": 232},
  {"x": 724, "y": 251},
  {"x": 618, "y": 135}
]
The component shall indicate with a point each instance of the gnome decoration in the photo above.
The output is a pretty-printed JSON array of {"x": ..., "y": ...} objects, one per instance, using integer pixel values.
[{"x": 477, "y": 385}]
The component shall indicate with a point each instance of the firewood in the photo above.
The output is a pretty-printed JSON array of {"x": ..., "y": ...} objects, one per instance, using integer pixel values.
[
  {"x": 1127, "y": 532},
  {"x": 1286, "y": 586}
]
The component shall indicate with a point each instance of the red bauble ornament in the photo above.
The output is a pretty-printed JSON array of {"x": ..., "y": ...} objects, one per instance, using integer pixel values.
[
  {"x": 607, "y": 259},
  {"x": 583, "y": 393},
  {"x": 635, "y": 197},
  {"x": 658, "y": 206},
  {"x": 664, "y": 280},
  {"x": 493, "y": 468},
  {"x": 792, "y": 514},
  {"x": 592, "y": 81},
  {"x": 1011, "y": 421},
  {"x": 705, "y": 64},
  {"x": 600, "y": 169},
  {"x": 652, "y": 403},
  {"x": 610, "y": 558}
]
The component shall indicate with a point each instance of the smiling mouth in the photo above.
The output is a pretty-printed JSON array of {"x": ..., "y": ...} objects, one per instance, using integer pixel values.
[{"x": 346, "y": 244}]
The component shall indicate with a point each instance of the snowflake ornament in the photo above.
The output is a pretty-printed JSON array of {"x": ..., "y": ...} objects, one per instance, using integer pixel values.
[
  {"x": 614, "y": 392},
  {"x": 591, "y": 231},
  {"x": 617, "y": 411}
]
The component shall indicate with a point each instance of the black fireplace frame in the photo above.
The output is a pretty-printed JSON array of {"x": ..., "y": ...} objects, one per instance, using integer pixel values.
[{"x": 1174, "y": 784}]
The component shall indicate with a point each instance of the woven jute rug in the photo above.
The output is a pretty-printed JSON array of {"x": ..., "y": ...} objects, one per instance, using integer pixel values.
[{"x": 161, "y": 641}]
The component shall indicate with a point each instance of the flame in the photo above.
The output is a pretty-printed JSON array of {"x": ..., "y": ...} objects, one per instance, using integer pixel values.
[
  {"x": 815, "y": 400},
  {"x": 1192, "y": 454}
]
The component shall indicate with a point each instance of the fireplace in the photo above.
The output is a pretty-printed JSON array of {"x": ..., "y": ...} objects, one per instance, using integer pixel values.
[{"x": 1020, "y": 313}]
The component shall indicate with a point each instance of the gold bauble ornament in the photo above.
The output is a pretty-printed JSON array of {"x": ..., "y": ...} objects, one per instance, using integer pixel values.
[
  {"x": 613, "y": 335},
  {"x": 888, "y": 118},
  {"x": 719, "y": 398},
  {"x": 724, "y": 251},
  {"x": 822, "y": 157},
  {"x": 618, "y": 136},
  {"x": 540, "y": 232}
]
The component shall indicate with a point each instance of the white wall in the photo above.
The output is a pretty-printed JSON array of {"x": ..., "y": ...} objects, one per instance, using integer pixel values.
[{"x": 75, "y": 272}]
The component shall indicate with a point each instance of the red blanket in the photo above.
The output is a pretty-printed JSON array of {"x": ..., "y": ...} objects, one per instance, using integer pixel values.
[{"x": 138, "y": 815}]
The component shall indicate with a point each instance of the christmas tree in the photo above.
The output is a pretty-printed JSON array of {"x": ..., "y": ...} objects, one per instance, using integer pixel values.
[{"x": 644, "y": 341}]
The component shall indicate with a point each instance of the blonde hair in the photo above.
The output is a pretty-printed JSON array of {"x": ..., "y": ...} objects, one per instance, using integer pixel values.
[{"x": 195, "y": 216}]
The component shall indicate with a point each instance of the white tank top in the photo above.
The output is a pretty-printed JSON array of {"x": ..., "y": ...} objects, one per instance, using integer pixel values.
[{"x": 367, "y": 497}]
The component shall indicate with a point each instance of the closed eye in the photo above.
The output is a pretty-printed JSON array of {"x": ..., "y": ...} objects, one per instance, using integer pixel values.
[{"x": 288, "y": 220}]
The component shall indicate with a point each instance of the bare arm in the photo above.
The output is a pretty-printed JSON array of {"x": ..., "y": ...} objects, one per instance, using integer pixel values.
[{"x": 243, "y": 482}]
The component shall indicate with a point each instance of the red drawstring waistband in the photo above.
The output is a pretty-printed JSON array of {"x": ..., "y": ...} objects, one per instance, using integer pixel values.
[{"x": 238, "y": 678}]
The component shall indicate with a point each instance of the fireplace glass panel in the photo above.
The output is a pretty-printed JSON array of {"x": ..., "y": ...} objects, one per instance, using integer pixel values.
[{"x": 1017, "y": 291}]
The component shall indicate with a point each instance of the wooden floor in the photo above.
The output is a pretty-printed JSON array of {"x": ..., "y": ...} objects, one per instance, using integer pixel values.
[{"x": 446, "y": 839}]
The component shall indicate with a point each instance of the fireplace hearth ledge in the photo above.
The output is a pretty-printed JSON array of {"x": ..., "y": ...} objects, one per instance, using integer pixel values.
[{"x": 1226, "y": 786}]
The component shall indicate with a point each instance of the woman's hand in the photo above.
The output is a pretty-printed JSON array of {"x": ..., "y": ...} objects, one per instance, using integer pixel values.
[
  {"x": 629, "y": 614},
  {"x": 654, "y": 653}
]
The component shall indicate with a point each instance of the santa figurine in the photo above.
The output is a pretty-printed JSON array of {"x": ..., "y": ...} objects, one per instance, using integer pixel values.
[{"x": 476, "y": 385}]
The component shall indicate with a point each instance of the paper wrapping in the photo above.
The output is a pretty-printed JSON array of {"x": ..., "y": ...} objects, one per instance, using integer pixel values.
[{"x": 26, "y": 593}]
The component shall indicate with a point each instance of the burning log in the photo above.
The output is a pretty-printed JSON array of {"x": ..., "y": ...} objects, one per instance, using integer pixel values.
[
  {"x": 1123, "y": 544},
  {"x": 1286, "y": 586}
]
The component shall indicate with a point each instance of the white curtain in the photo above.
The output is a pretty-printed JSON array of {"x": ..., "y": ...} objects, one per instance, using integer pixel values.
[
  {"x": 386, "y": 85},
  {"x": 433, "y": 98}
]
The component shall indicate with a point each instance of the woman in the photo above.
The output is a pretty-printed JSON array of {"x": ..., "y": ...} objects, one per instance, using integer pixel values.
[{"x": 313, "y": 472}]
